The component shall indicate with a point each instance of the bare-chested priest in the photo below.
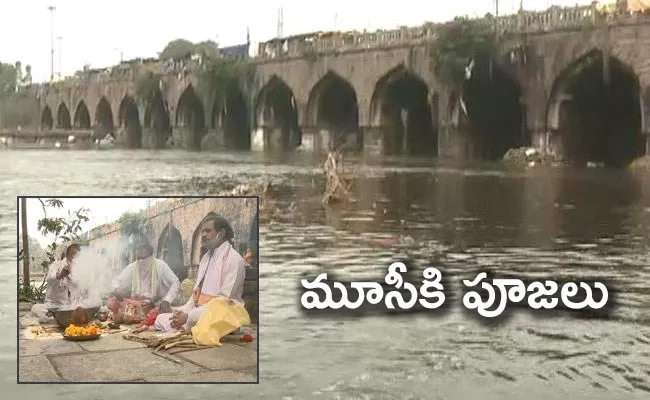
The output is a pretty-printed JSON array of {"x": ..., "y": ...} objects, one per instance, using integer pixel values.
[{"x": 221, "y": 273}]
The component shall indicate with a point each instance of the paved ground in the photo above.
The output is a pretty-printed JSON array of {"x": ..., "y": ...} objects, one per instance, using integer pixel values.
[{"x": 112, "y": 358}]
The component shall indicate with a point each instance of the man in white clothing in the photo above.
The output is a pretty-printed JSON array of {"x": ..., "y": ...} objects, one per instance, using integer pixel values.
[
  {"x": 147, "y": 282},
  {"x": 221, "y": 273},
  {"x": 60, "y": 285}
]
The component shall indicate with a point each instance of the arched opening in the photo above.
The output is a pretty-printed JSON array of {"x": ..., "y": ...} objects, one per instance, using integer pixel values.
[
  {"x": 197, "y": 250},
  {"x": 63, "y": 117},
  {"x": 595, "y": 111},
  {"x": 492, "y": 111},
  {"x": 400, "y": 105},
  {"x": 190, "y": 115},
  {"x": 235, "y": 119},
  {"x": 156, "y": 117},
  {"x": 104, "y": 116},
  {"x": 170, "y": 249},
  {"x": 82, "y": 116},
  {"x": 333, "y": 107},
  {"x": 276, "y": 111},
  {"x": 129, "y": 120},
  {"x": 47, "y": 121}
]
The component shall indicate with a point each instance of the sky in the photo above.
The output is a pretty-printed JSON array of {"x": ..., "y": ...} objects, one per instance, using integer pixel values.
[
  {"x": 101, "y": 211},
  {"x": 99, "y": 33}
]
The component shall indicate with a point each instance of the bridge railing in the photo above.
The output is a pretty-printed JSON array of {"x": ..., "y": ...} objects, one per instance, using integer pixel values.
[
  {"x": 552, "y": 19},
  {"x": 305, "y": 46}
]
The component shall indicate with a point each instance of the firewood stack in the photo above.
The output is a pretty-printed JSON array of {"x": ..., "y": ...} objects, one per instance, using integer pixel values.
[{"x": 179, "y": 342}]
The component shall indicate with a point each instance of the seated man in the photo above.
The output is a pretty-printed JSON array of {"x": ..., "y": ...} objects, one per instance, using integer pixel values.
[
  {"x": 148, "y": 282},
  {"x": 60, "y": 286},
  {"x": 221, "y": 273}
]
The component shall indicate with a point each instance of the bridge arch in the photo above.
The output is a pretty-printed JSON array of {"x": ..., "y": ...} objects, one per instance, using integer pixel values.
[
  {"x": 156, "y": 118},
  {"x": 197, "y": 251},
  {"x": 170, "y": 249},
  {"x": 594, "y": 111},
  {"x": 129, "y": 121},
  {"x": 104, "y": 116},
  {"x": 275, "y": 108},
  {"x": 82, "y": 116},
  {"x": 333, "y": 106},
  {"x": 47, "y": 120},
  {"x": 234, "y": 117},
  {"x": 491, "y": 111},
  {"x": 400, "y": 106},
  {"x": 191, "y": 115},
  {"x": 63, "y": 117}
]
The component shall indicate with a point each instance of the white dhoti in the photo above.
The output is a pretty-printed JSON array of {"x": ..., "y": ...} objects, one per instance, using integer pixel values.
[
  {"x": 221, "y": 273},
  {"x": 164, "y": 321},
  {"x": 40, "y": 311}
]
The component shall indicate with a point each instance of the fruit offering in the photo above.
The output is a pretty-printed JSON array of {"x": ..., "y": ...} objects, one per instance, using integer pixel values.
[
  {"x": 74, "y": 330},
  {"x": 246, "y": 337}
]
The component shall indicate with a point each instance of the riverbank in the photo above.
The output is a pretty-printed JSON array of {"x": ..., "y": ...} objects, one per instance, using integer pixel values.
[{"x": 111, "y": 358}]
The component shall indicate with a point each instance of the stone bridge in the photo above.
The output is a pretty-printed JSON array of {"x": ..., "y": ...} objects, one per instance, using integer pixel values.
[
  {"x": 573, "y": 81},
  {"x": 173, "y": 228}
]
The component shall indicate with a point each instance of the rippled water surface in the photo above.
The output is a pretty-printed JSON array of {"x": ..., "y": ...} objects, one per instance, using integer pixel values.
[{"x": 536, "y": 224}]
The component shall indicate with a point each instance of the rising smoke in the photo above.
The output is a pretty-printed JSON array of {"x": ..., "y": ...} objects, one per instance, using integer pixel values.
[{"x": 93, "y": 272}]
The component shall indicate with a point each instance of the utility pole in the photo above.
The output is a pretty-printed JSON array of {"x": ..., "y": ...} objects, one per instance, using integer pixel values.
[
  {"x": 280, "y": 22},
  {"x": 496, "y": 8},
  {"x": 51, "y": 9},
  {"x": 60, "y": 39}
]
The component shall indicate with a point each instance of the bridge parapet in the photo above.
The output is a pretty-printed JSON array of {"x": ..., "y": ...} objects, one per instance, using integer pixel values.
[{"x": 525, "y": 22}]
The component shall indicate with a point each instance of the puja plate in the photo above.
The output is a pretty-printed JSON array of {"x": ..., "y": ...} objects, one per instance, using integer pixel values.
[{"x": 81, "y": 338}]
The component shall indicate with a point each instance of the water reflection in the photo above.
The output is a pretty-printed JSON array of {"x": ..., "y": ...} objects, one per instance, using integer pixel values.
[{"x": 535, "y": 223}]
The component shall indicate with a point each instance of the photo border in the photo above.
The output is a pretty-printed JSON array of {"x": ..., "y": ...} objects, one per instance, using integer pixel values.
[{"x": 257, "y": 255}]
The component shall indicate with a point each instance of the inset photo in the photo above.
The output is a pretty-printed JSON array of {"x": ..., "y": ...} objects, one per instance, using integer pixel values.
[{"x": 134, "y": 289}]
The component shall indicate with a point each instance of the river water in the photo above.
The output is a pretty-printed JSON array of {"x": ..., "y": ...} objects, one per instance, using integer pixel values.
[{"x": 537, "y": 223}]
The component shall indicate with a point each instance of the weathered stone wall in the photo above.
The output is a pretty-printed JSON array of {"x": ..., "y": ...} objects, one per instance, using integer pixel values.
[
  {"x": 546, "y": 47},
  {"x": 185, "y": 215}
]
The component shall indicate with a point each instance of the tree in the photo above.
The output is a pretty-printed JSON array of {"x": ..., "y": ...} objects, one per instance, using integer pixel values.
[
  {"x": 8, "y": 76},
  {"x": 149, "y": 95},
  {"x": 458, "y": 43},
  {"x": 65, "y": 230},
  {"x": 178, "y": 49},
  {"x": 219, "y": 75},
  {"x": 207, "y": 49}
]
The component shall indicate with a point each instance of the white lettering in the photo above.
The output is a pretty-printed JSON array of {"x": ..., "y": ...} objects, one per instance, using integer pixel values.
[
  {"x": 432, "y": 278},
  {"x": 539, "y": 290},
  {"x": 310, "y": 300},
  {"x": 394, "y": 278}
]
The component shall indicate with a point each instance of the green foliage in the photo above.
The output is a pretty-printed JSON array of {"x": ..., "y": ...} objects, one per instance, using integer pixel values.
[
  {"x": 219, "y": 75},
  {"x": 65, "y": 230},
  {"x": 179, "y": 49},
  {"x": 207, "y": 49},
  {"x": 147, "y": 87},
  {"x": 132, "y": 223},
  {"x": 460, "y": 41},
  {"x": 34, "y": 293},
  {"x": 8, "y": 76}
]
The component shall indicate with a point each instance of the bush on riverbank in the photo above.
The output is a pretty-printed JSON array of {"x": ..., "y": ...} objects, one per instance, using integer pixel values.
[
  {"x": 528, "y": 156},
  {"x": 640, "y": 164}
]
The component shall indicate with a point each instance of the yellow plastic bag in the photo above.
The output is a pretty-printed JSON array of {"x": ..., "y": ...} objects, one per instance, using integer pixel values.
[{"x": 221, "y": 317}]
